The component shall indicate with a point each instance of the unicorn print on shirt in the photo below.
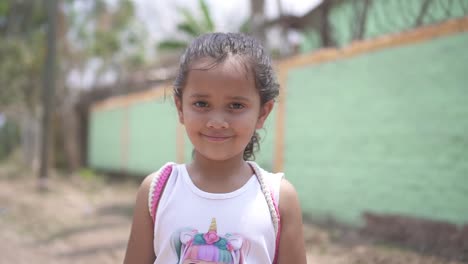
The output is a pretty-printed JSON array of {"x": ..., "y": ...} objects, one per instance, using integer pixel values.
[{"x": 209, "y": 248}]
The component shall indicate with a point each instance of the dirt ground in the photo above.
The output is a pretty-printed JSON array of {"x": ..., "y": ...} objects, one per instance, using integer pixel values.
[{"x": 87, "y": 220}]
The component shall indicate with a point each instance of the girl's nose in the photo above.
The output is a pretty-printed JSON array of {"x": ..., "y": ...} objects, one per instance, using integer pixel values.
[{"x": 217, "y": 122}]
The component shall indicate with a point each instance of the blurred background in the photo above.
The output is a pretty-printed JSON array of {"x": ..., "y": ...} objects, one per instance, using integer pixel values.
[{"x": 371, "y": 125}]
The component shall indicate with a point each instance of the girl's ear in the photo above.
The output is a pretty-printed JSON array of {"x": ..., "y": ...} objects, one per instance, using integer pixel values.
[
  {"x": 265, "y": 110},
  {"x": 178, "y": 103}
]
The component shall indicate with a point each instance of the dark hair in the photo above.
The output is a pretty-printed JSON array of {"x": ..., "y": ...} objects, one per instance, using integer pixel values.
[{"x": 219, "y": 47}]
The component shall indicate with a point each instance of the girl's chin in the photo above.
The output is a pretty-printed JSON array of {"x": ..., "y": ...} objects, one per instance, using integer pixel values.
[{"x": 218, "y": 157}]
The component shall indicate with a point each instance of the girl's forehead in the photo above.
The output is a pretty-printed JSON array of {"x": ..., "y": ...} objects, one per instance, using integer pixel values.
[
  {"x": 229, "y": 76},
  {"x": 232, "y": 67}
]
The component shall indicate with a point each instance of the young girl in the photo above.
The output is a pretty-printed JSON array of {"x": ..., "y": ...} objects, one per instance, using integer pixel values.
[{"x": 219, "y": 208}]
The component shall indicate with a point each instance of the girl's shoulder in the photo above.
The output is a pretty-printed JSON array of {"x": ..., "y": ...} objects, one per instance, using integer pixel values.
[
  {"x": 163, "y": 171},
  {"x": 272, "y": 180},
  {"x": 266, "y": 173},
  {"x": 155, "y": 183},
  {"x": 151, "y": 179}
]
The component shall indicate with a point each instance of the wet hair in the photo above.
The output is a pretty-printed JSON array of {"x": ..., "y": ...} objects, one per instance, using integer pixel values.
[{"x": 247, "y": 50}]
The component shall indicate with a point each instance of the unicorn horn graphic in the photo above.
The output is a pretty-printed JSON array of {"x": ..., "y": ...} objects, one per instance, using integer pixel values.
[{"x": 213, "y": 226}]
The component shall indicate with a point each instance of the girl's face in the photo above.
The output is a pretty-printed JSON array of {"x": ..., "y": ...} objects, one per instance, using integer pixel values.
[{"x": 220, "y": 109}]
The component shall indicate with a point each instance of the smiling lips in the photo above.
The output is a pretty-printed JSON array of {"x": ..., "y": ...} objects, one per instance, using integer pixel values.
[{"x": 216, "y": 138}]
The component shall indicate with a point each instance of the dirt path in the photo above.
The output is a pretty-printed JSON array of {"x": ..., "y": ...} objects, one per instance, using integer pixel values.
[{"x": 88, "y": 221}]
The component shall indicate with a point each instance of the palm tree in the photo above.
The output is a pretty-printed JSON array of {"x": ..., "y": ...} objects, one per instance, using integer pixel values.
[{"x": 190, "y": 27}]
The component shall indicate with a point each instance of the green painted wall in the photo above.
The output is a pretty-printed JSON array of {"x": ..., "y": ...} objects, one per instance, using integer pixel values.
[
  {"x": 105, "y": 135},
  {"x": 385, "y": 132},
  {"x": 265, "y": 156},
  {"x": 140, "y": 146},
  {"x": 152, "y": 139}
]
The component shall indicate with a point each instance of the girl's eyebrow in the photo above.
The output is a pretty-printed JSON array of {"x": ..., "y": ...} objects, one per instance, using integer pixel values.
[
  {"x": 239, "y": 98},
  {"x": 198, "y": 95},
  {"x": 235, "y": 98}
]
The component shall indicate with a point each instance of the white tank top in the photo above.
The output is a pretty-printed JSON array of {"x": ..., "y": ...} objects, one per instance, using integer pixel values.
[{"x": 193, "y": 225}]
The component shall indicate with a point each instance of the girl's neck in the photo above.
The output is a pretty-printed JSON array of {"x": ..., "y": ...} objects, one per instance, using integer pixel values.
[{"x": 219, "y": 176}]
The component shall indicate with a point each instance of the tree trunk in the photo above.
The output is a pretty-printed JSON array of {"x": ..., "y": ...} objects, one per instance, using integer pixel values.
[
  {"x": 285, "y": 48},
  {"x": 69, "y": 126},
  {"x": 361, "y": 16},
  {"x": 257, "y": 19},
  {"x": 70, "y": 131},
  {"x": 326, "y": 33},
  {"x": 30, "y": 141},
  {"x": 48, "y": 94},
  {"x": 422, "y": 12}
]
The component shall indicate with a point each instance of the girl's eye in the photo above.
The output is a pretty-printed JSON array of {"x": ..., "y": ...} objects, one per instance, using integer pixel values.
[
  {"x": 236, "y": 106},
  {"x": 200, "y": 104}
]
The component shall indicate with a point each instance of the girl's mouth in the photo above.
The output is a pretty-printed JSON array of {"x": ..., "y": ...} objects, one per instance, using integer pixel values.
[{"x": 216, "y": 138}]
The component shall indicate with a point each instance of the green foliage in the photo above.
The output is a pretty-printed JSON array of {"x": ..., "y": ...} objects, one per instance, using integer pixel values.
[
  {"x": 190, "y": 27},
  {"x": 207, "y": 16},
  {"x": 95, "y": 31},
  {"x": 9, "y": 138},
  {"x": 246, "y": 26},
  {"x": 124, "y": 14},
  {"x": 190, "y": 21},
  {"x": 100, "y": 7},
  {"x": 4, "y": 6},
  {"x": 109, "y": 34},
  {"x": 22, "y": 52},
  {"x": 87, "y": 173},
  {"x": 172, "y": 44},
  {"x": 136, "y": 60},
  {"x": 105, "y": 44}
]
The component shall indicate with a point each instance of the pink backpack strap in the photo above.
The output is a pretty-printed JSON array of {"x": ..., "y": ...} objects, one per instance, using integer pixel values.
[
  {"x": 157, "y": 187},
  {"x": 278, "y": 232},
  {"x": 267, "y": 191}
]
